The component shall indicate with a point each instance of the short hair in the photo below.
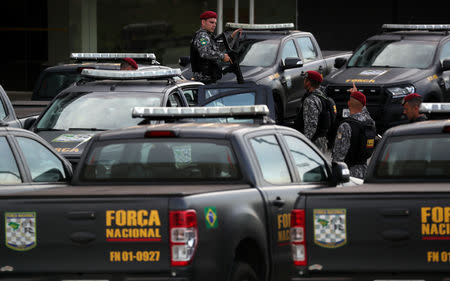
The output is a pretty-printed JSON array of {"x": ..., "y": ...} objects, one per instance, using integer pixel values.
[{"x": 416, "y": 101}]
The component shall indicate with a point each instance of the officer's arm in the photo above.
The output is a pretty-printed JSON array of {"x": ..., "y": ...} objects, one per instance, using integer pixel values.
[
  {"x": 311, "y": 113},
  {"x": 342, "y": 142},
  {"x": 206, "y": 51}
]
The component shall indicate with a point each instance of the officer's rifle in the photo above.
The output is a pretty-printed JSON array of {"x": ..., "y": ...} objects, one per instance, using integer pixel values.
[{"x": 234, "y": 67}]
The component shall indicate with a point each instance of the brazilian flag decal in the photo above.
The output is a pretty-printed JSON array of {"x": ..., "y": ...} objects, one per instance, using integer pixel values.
[{"x": 211, "y": 217}]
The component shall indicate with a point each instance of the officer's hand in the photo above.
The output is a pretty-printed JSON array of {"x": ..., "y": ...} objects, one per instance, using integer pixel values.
[
  {"x": 353, "y": 89},
  {"x": 227, "y": 58}
]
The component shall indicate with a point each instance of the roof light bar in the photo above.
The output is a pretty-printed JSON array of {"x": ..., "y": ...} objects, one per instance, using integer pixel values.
[
  {"x": 276, "y": 26},
  {"x": 130, "y": 75},
  {"x": 434, "y": 107},
  {"x": 430, "y": 27},
  {"x": 112, "y": 56},
  {"x": 161, "y": 113}
]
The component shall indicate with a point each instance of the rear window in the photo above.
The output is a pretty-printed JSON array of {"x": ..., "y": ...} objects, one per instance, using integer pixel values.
[
  {"x": 157, "y": 159},
  {"x": 421, "y": 157},
  {"x": 53, "y": 83}
]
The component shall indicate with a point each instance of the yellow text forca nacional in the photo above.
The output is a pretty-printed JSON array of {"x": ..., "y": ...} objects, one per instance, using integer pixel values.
[{"x": 133, "y": 224}]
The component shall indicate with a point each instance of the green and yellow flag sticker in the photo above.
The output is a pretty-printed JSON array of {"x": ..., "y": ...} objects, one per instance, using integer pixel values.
[{"x": 211, "y": 217}]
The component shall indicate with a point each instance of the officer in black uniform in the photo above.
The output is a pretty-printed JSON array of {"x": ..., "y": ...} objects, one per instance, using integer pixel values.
[{"x": 206, "y": 53}]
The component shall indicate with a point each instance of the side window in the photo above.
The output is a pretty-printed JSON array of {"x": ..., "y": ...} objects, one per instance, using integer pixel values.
[
  {"x": 9, "y": 172},
  {"x": 445, "y": 52},
  {"x": 174, "y": 100},
  {"x": 307, "y": 48},
  {"x": 191, "y": 96},
  {"x": 43, "y": 164},
  {"x": 271, "y": 160},
  {"x": 232, "y": 100},
  {"x": 2, "y": 111},
  {"x": 289, "y": 50},
  {"x": 310, "y": 166}
]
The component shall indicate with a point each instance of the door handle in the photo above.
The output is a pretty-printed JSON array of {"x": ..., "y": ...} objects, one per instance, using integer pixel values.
[
  {"x": 278, "y": 202},
  {"x": 82, "y": 237}
]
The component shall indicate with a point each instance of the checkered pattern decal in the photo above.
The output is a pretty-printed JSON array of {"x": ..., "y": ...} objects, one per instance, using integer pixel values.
[
  {"x": 20, "y": 230},
  {"x": 330, "y": 230}
]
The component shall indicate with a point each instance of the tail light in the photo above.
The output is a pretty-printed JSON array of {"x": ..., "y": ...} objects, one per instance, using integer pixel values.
[
  {"x": 183, "y": 236},
  {"x": 159, "y": 134},
  {"x": 297, "y": 235}
]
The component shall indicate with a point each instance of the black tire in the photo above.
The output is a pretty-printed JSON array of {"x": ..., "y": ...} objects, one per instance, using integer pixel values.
[{"x": 242, "y": 271}]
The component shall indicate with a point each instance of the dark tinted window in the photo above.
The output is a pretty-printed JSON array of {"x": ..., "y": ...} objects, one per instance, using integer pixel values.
[{"x": 53, "y": 83}]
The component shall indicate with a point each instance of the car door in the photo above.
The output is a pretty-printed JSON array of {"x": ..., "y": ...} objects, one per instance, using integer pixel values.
[
  {"x": 291, "y": 78},
  {"x": 287, "y": 164}
]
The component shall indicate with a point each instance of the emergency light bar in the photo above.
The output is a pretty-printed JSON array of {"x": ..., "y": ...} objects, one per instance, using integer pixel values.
[
  {"x": 131, "y": 74},
  {"x": 161, "y": 113},
  {"x": 112, "y": 56},
  {"x": 434, "y": 107},
  {"x": 276, "y": 26},
  {"x": 429, "y": 27}
]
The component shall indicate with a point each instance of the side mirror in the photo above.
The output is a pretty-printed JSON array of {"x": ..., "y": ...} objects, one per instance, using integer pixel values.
[
  {"x": 292, "y": 63},
  {"x": 340, "y": 171},
  {"x": 446, "y": 65},
  {"x": 29, "y": 122},
  {"x": 339, "y": 62},
  {"x": 184, "y": 61}
]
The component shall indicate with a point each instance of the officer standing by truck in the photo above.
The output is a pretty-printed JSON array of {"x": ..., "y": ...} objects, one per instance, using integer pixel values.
[
  {"x": 411, "y": 104},
  {"x": 206, "y": 53},
  {"x": 309, "y": 117},
  {"x": 355, "y": 137}
]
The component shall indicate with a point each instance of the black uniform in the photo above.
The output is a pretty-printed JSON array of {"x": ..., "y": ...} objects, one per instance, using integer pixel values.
[
  {"x": 206, "y": 53},
  {"x": 420, "y": 118}
]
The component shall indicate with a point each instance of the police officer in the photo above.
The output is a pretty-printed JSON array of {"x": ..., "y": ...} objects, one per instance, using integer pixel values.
[
  {"x": 347, "y": 146},
  {"x": 411, "y": 104},
  {"x": 128, "y": 64},
  {"x": 311, "y": 106},
  {"x": 206, "y": 53}
]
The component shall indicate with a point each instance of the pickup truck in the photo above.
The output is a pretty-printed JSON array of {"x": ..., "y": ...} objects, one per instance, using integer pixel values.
[
  {"x": 393, "y": 227},
  {"x": 403, "y": 59},
  {"x": 278, "y": 56},
  {"x": 173, "y": 201}
]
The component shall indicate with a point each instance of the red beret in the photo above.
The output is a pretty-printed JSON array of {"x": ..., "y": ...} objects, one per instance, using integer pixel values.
[
  {"x": 132, "y": 62},
  {"x": 314, "y": 75},
  {"x": 208, "y": 15},
  {"x": 359, "y": 97},
  {"x": 410, "y": 97}
]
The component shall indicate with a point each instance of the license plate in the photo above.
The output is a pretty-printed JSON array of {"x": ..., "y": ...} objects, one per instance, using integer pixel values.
[{"x": 345, "y": 114}]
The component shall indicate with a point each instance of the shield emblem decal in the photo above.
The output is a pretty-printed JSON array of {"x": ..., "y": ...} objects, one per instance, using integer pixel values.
[
  {"x": 20, "y": 230},
  {"x": 330, "y": 227}
]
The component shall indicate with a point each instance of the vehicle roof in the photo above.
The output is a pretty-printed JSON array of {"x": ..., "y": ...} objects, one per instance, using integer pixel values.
[
  {"x": 418, "y": 128},
  {"x": 190, "y": 130},
  {"x": 271, "y": 34},
  {"x": 411, "y": 35}
]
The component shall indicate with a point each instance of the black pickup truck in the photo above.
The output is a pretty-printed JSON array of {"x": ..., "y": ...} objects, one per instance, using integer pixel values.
[
  {"x": 174, "y": 201},
  {"x": 402, "y": 59},
  {"x": 395, "y": 226},
  {"x": 278, "y": 56}
]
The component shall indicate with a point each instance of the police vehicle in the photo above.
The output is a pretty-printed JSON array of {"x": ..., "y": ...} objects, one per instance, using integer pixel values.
[
  {"x": 278, "y": 56},
  {"x": 173, "y": 201},
  {"x": 27, "y": 162},
  {"x": 54, "y": 79},
  {"x": 7, "y": 113},
  {"x": 103, "y": 100},
  {"x": 403, "y": 59},
  {"x": 394, "y": 226}
]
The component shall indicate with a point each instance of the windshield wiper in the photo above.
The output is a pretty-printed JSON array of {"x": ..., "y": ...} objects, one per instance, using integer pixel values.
[{"x": 86, "y": 129}]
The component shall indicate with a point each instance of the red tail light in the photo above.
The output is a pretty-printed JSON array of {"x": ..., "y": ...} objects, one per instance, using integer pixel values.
[
  {"x": 297, "y": 235},
  {"x": 183, "y": 236},
  {"x": 159, "y": 134}
]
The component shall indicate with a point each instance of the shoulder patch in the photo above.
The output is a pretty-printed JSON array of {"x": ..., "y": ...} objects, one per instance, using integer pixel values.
[{"x": 203, "y": 41}]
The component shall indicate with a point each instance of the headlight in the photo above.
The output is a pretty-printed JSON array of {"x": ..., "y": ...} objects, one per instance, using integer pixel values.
[{"x": 400, "y": 92}]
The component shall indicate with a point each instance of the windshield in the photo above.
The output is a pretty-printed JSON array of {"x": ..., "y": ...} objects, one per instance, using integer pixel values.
[
  {"x": 258, "y": 53},
  {"x": 426, "y": 157},
  {"x": 405, "y": 54},
  {"x": 98, "y": 110},
  {"x": 156, "y": 159},
  {"x": 55, "y": 82}
]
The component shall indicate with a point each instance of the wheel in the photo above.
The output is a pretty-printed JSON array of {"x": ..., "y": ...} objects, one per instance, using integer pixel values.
[{"x": 242, "y": 271}]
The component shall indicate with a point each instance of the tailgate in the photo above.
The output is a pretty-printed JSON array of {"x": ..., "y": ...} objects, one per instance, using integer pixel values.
[
  {"x": 378, "y": 232},
  {"x": 85, "y": 235}
]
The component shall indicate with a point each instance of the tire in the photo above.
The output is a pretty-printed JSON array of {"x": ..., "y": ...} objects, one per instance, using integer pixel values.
[{"x": 242, "y": 271}]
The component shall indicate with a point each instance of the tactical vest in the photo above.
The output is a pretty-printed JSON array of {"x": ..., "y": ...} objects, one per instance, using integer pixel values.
[
  {"x": 201, "y": 65},
  {"x": 323, "y": 122},
  {"x": 362, "y": 142}
]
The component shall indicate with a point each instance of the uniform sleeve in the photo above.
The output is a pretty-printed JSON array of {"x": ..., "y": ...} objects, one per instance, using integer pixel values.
[
  {"x": 311, "y": 111},
  {"x": 206, "y": 48},
  {"x": 342, "y": 142}
]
